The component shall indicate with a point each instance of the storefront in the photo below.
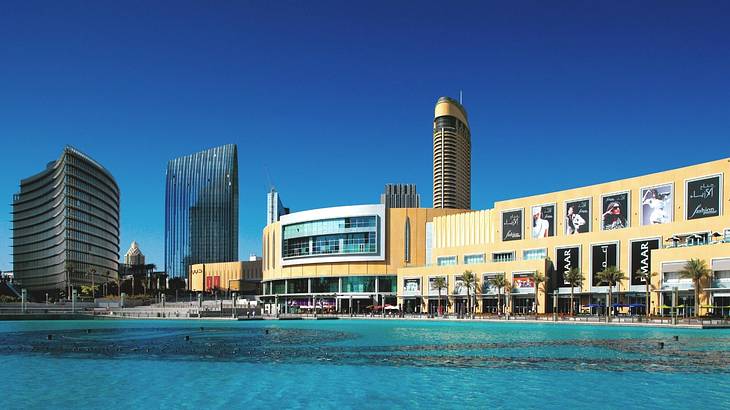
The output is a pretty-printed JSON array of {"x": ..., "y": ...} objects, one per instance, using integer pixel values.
[{"x": 490, "y": 304}]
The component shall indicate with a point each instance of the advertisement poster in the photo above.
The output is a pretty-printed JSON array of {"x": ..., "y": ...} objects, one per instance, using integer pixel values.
[
  {"x": 703, "y": 197},
  {"x": 567, "y": 259},
  {"x": 641, "y": 258},
  {"x": 615, "y": 211},
  {"x": 543, "y": 221},
  {"x": 603, "y": 256},
  {"x": 578, "y": 217},
  {"x": 657, "y": 204},
  {"x": 459, "y": 288},
  {"x": 523, "y": 280},
  {"x": 412, "y": 285},
  {"x": 212, "y": 283},
  {"x": 512, "y": 225},
  {"x": 432, "y": 289}
]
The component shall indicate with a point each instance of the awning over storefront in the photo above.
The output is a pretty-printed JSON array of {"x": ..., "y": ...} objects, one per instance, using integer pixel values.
[
  {"x": 721, "y": 264},
  {"x": 668, "y": 267}
]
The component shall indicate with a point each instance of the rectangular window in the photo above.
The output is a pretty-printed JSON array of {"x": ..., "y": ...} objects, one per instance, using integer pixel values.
[
  {"x": 534, "y": 254},
  {"x": 298, "y": 286},
  {"x": 471, "y": 259},
  {"x": 446, "y": 260},
  {"x": 503, "y": 257},
  {"x": 358, "y": 284},
  {"x": 387, "y": 284},
  {"x": 325, "y": 285}
]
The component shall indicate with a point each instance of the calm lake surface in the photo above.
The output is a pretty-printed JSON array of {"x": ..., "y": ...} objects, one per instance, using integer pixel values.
[{"x": 378, "y": 364}]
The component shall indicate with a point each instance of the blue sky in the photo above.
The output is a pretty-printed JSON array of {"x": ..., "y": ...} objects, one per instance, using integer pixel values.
[{"x": 328, "y": 101}]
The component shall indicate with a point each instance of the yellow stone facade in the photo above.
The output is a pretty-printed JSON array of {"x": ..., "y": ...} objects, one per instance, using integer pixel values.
[
  {"x": 480, "y": 232},
  {"x": 394, "y": 254},
  {"x": 240, "y": 276}
]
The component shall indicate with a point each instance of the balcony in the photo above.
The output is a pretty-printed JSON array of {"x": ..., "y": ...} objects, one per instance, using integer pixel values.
[{"x": 697, "y": 239}]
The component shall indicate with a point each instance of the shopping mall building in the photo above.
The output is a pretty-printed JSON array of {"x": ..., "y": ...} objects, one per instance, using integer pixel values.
[{"x": 359, "y": 256}]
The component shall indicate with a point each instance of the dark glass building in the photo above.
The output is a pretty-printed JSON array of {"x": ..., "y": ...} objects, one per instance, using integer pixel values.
[
  {"x": 201, "y": 209},
  {"x": 66, "y": 225}
]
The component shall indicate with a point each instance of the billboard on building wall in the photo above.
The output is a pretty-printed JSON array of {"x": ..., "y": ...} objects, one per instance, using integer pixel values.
[
  {"x": 704, "y": 197},
  {"x": 543, "y": 221},
  {"x": 212, "y": 283},
  {"x": 523, "y": 280},
  {"x": 412, "y": 285},
  {"x": 603, "y": 256},
  {"x": 459, "y": 287},
  {"x": 432, "y": 289},
  {"x": 512, "y": 225},
  {"x": 641, "y": 258},
  {"x": 657, "y": 204},
  {"x": 615, "y": 211},
  {"x": 577, "y": 216},
  {"x": 566, "y": 259}
]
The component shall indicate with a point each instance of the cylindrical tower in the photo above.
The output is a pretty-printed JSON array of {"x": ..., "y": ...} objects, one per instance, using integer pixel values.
[{"x": 451, "y": 156}]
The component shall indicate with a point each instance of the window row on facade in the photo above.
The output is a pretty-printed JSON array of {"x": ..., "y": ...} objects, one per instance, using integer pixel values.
[{"x": 344, "y": 284}]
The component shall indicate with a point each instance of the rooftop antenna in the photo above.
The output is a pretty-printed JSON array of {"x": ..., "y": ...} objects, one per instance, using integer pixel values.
[{"x": 460, "y": 97}]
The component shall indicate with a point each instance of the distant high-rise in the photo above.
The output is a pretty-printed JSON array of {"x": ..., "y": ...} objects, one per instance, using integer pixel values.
[
  {"x": 134, "y": 256},
  {"x": 451, "y": 156},
  {"x": 201, "y": 209},
  {"x": 274, "y": 207},
  {"x": 66, "y": 225},
  {"x": 400, "y": 196}
]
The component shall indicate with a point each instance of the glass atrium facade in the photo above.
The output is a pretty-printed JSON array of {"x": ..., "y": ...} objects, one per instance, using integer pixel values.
[
  {"x": 66, "y": 225},
  {"x": 339, "y": 236},
  {"x": 201, "y": 209}
]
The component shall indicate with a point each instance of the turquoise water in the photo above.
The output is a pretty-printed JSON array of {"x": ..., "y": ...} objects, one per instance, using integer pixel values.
[{"x": 359, "y": 364}]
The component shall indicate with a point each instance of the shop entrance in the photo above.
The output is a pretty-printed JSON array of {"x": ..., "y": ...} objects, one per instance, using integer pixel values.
[
  {"x": 489, "y": 305},
  {"x": 412, "y": 305},
  {"x": 433, "y": 305},
  {"x": 523, "y": 305},
  {"x": 459, "y": 306}
]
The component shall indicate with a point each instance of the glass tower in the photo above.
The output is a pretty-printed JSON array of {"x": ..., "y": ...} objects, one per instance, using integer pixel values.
[
  {"x": 201, "y": 209},
  {"x": 66, "y": 225}
]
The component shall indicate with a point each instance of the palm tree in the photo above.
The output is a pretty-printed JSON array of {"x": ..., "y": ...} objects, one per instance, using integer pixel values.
[
  {"x": 697, "y": 270},
  {"x": 439, "y": 283},
  {"x": 574, "y": 278},
  {"x": 469, "y": 281},
  {"x": 646, "y": 277},
  {"x": 538, "y": 278},
  {"x": 611, "y": 275},
  {"x": 499, "y": 282}
]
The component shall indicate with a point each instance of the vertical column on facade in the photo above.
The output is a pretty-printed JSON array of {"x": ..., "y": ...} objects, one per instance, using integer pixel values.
[
  {"x": 286, "y": 298},
  {"x": 377, "y": 293}
]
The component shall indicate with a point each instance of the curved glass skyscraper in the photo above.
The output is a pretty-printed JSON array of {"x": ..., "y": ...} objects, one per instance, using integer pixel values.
[
  {"x": 201, "y": 209},
  {"x": 66, "y": 225}
]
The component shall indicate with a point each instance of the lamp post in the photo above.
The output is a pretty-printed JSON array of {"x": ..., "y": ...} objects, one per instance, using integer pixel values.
[{"x": 93, "y": 294}]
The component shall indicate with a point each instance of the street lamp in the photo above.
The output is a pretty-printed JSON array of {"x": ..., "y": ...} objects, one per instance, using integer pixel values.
[{"x": 93, "y": 294}]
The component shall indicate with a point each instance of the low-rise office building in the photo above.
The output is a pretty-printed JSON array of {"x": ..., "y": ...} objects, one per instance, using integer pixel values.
[
  {"x": 652, "y": 223},
  {"x": 242, "y": 277}
]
